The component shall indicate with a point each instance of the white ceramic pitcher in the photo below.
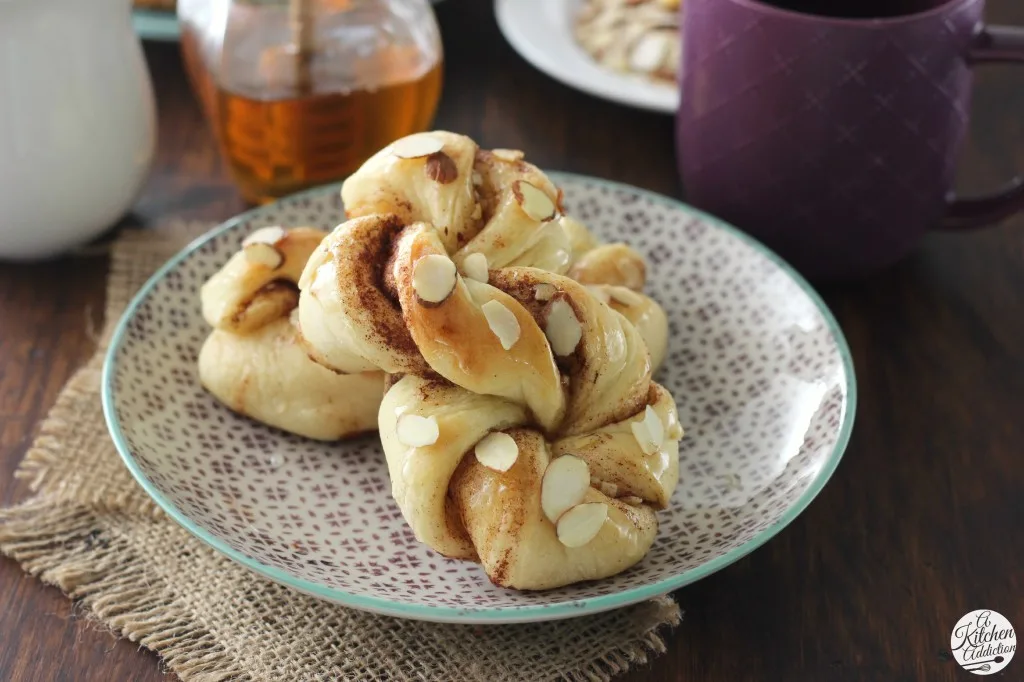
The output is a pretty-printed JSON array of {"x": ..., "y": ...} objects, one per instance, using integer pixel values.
[{"x": 77, "y": 122}]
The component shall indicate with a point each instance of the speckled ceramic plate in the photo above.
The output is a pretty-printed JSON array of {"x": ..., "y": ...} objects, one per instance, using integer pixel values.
[{"x": 759, "y": 369}]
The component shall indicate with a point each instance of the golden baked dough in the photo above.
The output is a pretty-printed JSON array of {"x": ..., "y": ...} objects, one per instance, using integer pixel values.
[
  {"x": 564, "y": 376},
  {"x": 477, "y": 210},
  {"x": 522, "y": 428},
  {"x": 480, "y": 202},
  {"x": 253, "y": 360}
]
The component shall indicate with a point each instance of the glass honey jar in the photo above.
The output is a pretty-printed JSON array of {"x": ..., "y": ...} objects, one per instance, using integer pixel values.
[{"x": 300, "y": 92}]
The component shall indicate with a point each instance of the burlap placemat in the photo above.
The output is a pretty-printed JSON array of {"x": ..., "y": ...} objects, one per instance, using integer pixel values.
[{"x": 91, "y": 530}]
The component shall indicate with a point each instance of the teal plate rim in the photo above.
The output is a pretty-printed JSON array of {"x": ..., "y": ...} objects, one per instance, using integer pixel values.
[
  {"x": 152, "y": 24},
  {"x": 484, "y": 615}
]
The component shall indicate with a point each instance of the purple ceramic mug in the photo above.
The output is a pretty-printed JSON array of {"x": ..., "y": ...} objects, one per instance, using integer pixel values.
[{"x": 834, "y": 140}]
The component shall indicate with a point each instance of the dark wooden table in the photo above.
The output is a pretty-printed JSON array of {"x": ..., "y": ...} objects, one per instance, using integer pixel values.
[{"x": 922, "y": 522}]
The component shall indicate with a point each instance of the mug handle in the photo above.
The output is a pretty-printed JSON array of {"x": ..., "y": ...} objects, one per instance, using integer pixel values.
[{"x": 991, "y": 44}]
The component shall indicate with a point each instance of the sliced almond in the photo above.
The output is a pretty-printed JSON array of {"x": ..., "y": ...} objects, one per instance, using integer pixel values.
[
  {"x": 544, "y": 291},
  {"x": 599, "y": 293},
  {"x": 654, "y": 425},
  {"x": 265, "y": 235},
  {"x": 502, "y": 322},
  {"x": 478, "y": 212},
  {"x": 609, "y": 489},
  {"x": 475, "y": 267},
  {"x": 510, "y": 155},
  {"x": 649, "y": 52},
  {"x": 417, "y": 146},
  {"x": 631, "y": 500},
  {"x": 416, "y": 431},
  {"x": 477, "y": 178},
  {"x": 261, "y": 253},
  {"x": 625, "y": 296},
  {"x": 433, "y": 277},
  {"x": 497, "y": 451},
  {"x": 582, "y": 523},
  {"x": 565, "y": 483},
  {"x": 533, "y": 201},
  {"x": 675, "y": 432},
  {"x": 562, "y": 328},
  {"x": 649, "y": 431}
]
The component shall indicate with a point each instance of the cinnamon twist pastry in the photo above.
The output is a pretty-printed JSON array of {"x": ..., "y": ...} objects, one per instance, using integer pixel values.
[
  {"x": 253, "y": 360},
  {"x": 522, "y": 428},
  {"x": 527, "y": 433},
  {"x": 491, "y": 209},
  {"x": 492, "y": 203}
]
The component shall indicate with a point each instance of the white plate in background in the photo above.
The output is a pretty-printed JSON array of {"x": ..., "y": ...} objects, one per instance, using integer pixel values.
[{"x": 541, "y": 32}]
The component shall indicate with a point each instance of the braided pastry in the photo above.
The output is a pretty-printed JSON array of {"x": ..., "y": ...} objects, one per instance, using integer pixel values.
[
  {"x": 253, "y": 360},
  {"x": 521, "y": 425},
  {"x": 491, "y": 209}
]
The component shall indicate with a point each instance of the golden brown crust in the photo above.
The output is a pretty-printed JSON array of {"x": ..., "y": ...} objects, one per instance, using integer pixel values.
[
  {"x": 348, "y": 314},
  {"x": 250, "y": 291},
  {"x": 255, "y": 362},
  {"x": 265, "y": 375},
  {"x": 458, "y": 343},
  {"x": 610, "y": 264}
]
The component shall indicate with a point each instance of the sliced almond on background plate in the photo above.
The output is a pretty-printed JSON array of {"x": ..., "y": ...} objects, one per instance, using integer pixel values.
[
  {"x": 262, "y": 253},
  {"x": 534, "y": 202},
  {"x": 565, "y": 483},
  {"x": 433, "y": 277},
  {"x": 582, "y": 523},
  {"x": 562, "y": 328},
  {"x": 475, "y": 267},
  {"x": 502, "y": 322},
  {"x": 649, "y": 52},
  {"x": 497, "y": 451},
  {"x": 416, "y": 431},
  {"x": 649, "y": 431},
  {"x": 417, "y": 146}
]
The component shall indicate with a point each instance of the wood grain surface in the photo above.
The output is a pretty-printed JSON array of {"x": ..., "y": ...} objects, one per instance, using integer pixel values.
[{"x": 921, "y": 523}]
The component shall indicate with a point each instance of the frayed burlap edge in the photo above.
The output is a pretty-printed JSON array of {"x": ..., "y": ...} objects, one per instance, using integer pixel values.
[
  {"x": 91, "y": 532},
  {"x": 112, "y": 584}
]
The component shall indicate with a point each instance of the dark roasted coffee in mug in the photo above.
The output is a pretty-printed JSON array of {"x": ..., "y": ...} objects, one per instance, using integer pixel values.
[{"x": 855, "y": 9}]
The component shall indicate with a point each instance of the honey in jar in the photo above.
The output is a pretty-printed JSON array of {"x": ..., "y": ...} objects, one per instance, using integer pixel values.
[{"x": 299, "y": 93}]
